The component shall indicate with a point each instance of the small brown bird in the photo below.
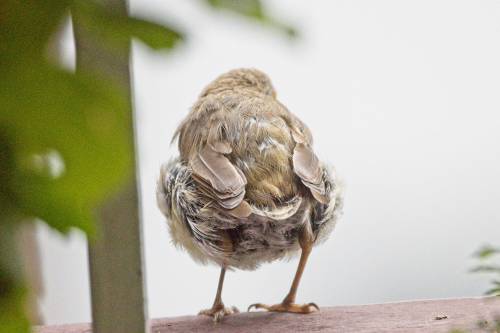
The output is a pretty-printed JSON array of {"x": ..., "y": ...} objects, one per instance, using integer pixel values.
[{"x": 247, "y": 187}]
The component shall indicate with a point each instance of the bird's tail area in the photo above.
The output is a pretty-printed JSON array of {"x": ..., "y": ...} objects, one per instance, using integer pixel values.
[
  {"x": 165, "y": 186},
  {"x": 327, "y": 216},
  {"x": 179, "y": 201},
  {"x": 172, "y": 196}
]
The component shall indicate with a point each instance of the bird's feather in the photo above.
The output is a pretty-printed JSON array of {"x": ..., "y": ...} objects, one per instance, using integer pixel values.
[
  {"x": 221, "y": 179},
  {"x": 307, "y": 166}
]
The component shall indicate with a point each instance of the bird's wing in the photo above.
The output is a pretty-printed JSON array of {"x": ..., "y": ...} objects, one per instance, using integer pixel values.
[
  {"x": 219, "y": 179},
  {"x": 307, "y": 166}
]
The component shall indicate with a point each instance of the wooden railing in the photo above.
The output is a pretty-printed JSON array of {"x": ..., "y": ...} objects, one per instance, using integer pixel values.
[{"x": 454, "y": 315}]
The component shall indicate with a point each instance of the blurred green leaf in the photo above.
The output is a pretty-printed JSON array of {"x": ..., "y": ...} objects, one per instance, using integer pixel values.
[
  {"x": 486, "y": 269},
  {"x": 12, "y": 289},
  {"x": 12, "y": 308},
  {"x": 26, "y": 27},
  {"x": 116, "y": 29},
  {"x": 253, "y": 9},
  {"x": 84, "y": 121},
  {"x": 155, "y": 36},
  {"x": 493, "y": 291},
  {"x": 486, "y": 252},
  {"x": 250, "y": 8}
]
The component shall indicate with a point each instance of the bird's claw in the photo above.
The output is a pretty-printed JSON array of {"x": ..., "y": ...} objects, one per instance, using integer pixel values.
[
  {"x": 218, "y": 312},
  {"x": 286, "y": 307}
]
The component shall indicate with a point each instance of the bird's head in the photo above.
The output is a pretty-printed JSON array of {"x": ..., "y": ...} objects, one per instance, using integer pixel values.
[{"x": 247, "y": 78}]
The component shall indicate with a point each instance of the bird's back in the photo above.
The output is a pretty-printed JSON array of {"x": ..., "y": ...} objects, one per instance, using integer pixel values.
[{"x": 258, "y": 130}]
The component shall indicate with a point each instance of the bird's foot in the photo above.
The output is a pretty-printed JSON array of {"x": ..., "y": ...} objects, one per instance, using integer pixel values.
[
  {"x": 217, "y": 312},
  {"x": 287, "y": 307}
]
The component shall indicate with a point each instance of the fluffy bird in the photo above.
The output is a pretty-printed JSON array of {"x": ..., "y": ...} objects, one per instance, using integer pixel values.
[{"x": 247, "y": 187}]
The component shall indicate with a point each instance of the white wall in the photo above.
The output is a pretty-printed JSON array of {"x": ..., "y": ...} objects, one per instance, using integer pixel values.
[{"x": 401, "y": 96}]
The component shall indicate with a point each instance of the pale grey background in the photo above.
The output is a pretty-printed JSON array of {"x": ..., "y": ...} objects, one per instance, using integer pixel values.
[{"x": 402, "y": 96}]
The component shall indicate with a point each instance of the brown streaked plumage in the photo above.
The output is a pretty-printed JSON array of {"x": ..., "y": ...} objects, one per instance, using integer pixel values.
[{"x": 247, "y": 187}]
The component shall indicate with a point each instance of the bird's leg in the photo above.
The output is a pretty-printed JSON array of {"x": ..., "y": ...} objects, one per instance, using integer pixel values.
[
  {"x": 218, "y": 311},
  {"x": 288, "y": 304}
]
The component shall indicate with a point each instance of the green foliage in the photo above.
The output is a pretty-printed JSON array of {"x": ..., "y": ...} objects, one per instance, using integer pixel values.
[
  {"x": 252, "y": 9},
  {"x": 487, "y": 251},
  {"x": 115, "y": 30},
  {"x": 58, "y": 117},
  {"x": 51, "y": 118},
  {"x": 486, "y": 256},
  {"x": 12, "y": 290}
]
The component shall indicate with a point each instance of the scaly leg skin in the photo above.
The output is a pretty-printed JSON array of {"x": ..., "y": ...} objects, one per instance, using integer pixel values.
[
  {"x": 218, "y": 311},
  {"x": 288, "y": 304}
]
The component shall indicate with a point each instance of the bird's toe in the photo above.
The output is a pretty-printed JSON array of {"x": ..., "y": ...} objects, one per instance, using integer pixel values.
[
  {"x": 218, "y": 312},
  {"x": 287, "y": 307}
]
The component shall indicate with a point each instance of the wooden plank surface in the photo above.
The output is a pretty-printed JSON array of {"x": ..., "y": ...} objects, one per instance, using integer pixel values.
[{"x": 416, "y": 316}]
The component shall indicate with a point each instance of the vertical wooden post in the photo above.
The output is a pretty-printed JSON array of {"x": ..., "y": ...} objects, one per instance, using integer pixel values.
[
  {"x": 115, "y": 257},
  {"x": 116, "y": 270}
]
